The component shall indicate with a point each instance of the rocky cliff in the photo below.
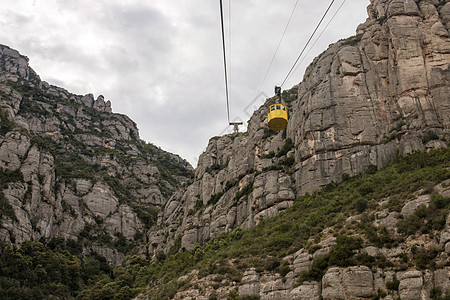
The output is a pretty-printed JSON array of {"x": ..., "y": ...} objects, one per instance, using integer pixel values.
[
  {"x": 72, "y": 169},
  {"x": 364, "y": 100}
]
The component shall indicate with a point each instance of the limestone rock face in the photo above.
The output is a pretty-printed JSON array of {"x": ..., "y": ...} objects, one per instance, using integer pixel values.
[
  {"x": 364, "y": 100},
  {"x": 348, "y": 283},
  {"x": 361, "y": 102},
  {"x": 250, "y": 283},
  {"x": 384, "y": 281},
  {"x": 306, "y": 291},
  {"x": 80, "y": 171},
  {"x": 101, "y": 201},
  {"x": 411, "y": 206},
  {"x": 411, "y": 285}
]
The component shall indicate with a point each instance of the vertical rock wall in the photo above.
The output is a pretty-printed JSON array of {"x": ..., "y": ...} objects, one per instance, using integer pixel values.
[{"x": 361, "y": 102}]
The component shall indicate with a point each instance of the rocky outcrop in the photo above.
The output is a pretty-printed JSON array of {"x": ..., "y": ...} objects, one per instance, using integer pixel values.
[
  {"x": 349, "y": 283},
  {"x": 79, "y": 171},
  {"x": 361, "y": 102},
  {"x": 397, "y": 277},
  {"x": 250, "y": 283},
  {"x": 373, "y": 95}
]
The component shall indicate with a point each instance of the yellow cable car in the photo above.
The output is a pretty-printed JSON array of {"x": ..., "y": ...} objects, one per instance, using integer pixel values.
[
  {"x": 277, "y": 114},
  {"x": 277, "y": 117}
]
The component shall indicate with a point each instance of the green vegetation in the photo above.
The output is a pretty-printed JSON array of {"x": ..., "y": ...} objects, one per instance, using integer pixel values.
[
  {"x": 55, "y": 269},
  {"x": 425, "y": 219},
  {"x": 215, "y": 168},
  {"x": 429, "y": 136},
  {"x": 288, "y": 145},
  {"x": 6, "y": 177},
  {"x": 6, "y": 208},
  {"x": 33, "y": 103},
  {"x": 287, "y": 161},
  {"x": 353, "y": 40},
  {"x": 76, "y": 167},
  {"x": 75, "y": 159},
  {"x": 271, "y": 154},
  {"x": 244, "y": 192},
  {"x": 393, "y": 285},
  {"x": 31, "y": 95},
  {"x": 263, "y": 246},
  {"x": 6, "y": 124},
  {"x": 343, "y": 254},
  {"x": 215, "y": 198},
  {"x": 166, "y": 162},
  {"x": 146, "y": 212},
  {"x": 290, "y": 95}
]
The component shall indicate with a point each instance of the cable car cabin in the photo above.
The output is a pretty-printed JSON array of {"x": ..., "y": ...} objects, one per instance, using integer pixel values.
[{"x": 277, "y": 117}]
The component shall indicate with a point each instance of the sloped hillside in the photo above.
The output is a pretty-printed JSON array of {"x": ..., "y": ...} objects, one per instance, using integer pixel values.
[
  {"x": 362, "y": 101},
  {"x": 72, "y": 169},
  {"x": 349, "y": 202},
  {"x": 378, "y": 235}
]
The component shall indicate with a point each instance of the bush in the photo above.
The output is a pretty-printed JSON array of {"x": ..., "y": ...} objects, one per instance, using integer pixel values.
[
  {"x": 284, "y": 270},
  {"x": 371, "y": 169},
  {"x": 288, "y": 145},
  {"x": 146, "y": 212},
  {"x": 244, "y": 191},
  {"x": 215, "y": 167},
  {"x": 410, "y": 225},
  {"x": 198, "y": 204},
  {"x": 271, "y": 264},
  {"x": 287, "y": 161},
  {"x": 6, "y": 177},
  {"x": 393, "y": 285},
  {"x": 429, "y": 136},
  {"x": 36, "y": 271},
  {"x": 290, "y": 95},
  {"x": 436, "y": 294},
  {"x": 215, "y": 198},
  {"x": 6, "y": 124},
  {"x": 424, "y": 258},
  {"x": 213, "y": 296},
  {"x": 277, "y": 237},
  {"x": 361, "y": 205},
  {"x": 353, "y": 40},
  {"x": 271, "y": 154},
  {"x": 344, "y": 250}
]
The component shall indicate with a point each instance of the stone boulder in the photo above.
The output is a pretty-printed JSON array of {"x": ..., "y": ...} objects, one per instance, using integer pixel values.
[
  {"x": 250, "y": 283},
  {"x": 348, "y": 283}
]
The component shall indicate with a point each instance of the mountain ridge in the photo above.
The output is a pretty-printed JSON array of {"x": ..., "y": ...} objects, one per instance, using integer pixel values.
[
  {"x": 362, "y": 102},
  {"x": 83, "y": 167}
]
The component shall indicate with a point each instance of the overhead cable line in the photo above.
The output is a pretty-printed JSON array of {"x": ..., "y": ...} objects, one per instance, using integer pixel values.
[
  {"x": 307, "y": 43},
  {"x": 320, "y": 35},
  {"x": 278, "y": 46},
  {"x": 224, "y": 61}
]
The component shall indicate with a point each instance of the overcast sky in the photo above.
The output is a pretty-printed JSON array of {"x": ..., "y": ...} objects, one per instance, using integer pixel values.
[{"x": 160, "y": 61}]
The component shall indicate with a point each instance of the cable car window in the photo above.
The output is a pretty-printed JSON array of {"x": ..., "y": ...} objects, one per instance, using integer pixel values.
[
  {"x": 272, "y": 108},
  {"x": 278, "y": 107},
  {"x": 284, "y": 108}
]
